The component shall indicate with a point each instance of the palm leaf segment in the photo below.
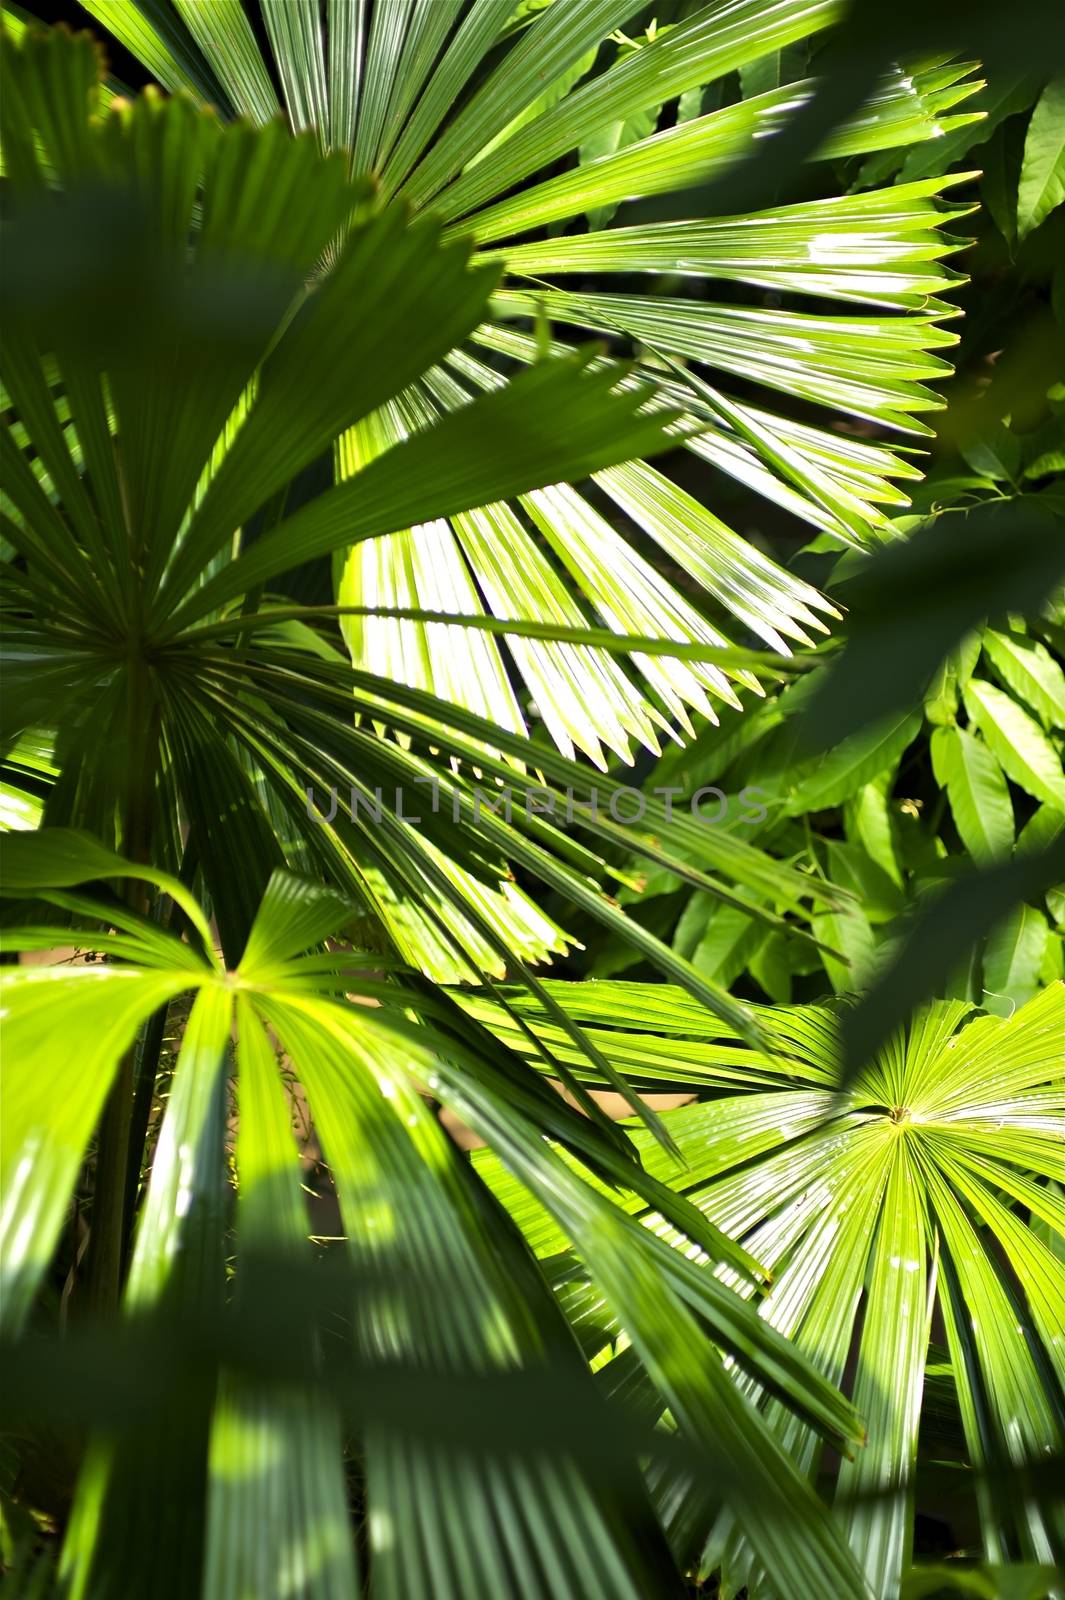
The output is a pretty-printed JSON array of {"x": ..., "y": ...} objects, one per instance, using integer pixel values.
[
  {"x": 384, "y": 82},
  {"x": 931, "y": 1191},
  {"x": 442, "y": 1290}
]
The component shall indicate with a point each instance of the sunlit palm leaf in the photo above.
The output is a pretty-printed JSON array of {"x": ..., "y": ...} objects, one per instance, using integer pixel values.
[
  {"x": 914, "y": 1189},
  {"x": 107, "y": 570},
  {"x": 388, "y": 90},
  {"x": 415, "y": 1223}
]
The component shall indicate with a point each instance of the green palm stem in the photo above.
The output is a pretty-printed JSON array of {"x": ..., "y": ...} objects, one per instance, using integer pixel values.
[
  {"x": 148, "y": 1050},
  {"x": 111, "y": 1217},
  {"x": 134, "y": 1090}
]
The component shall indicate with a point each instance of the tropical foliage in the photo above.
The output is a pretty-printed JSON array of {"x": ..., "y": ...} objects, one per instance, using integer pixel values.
[
  {"x": 894, "y": 811},
  {"x": 341, "y": 600},
  {"x": 382, "y": 90},
  {"x": 900, "y": 1190},
  {"x": 969, "y": 769}
]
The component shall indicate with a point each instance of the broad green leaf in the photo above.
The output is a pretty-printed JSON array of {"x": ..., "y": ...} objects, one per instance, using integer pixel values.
[
  {"x": 606, "y": 141},
  {"x": 1041, "y": 832},
  {"x": 853, "y": 764},
  {"x": 1001, "y": 172},
  {"x": 771, "y": 969},
  {"x": 867, "y": 821},
  {"x": 623, "y": 131},
  {"x": 1042, "y": 185},
  {"x": 1022, "y": 748},
  {"x": 957, "y": 918},
  {"x": 1043, "y": 827},
  {"x": 1028, "y": 668},
  {"x": 999, "y": 1581},
  {"x": 849, "y": 932},
  {"x": 757, "y": 77},
  {"x": 979, "y": 795},
  {"x": 921, "y": 597},
  {"x": 728, "y": 943},
  {"x": 851, "y": 866},
  {"x": 994, "y": 453},
  {"x": 941, "y": 697},
  {"x": 1013, "y": 957}
]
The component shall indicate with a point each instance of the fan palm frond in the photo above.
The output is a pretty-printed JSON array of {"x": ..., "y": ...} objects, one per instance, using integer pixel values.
[
  {"x": 442, "y": 1285},
  {"x": 383, "y": 83},
  {"x": 926, "y": 1194},
  {"x": 162, "y": 403}
]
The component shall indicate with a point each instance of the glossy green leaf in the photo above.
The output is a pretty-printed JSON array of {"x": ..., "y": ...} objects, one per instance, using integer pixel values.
[
  {"x": 857, "y": 761},
  {"x": 1042, "y": 184},
  {"x": 1013, "y": 957},
  {"x": 1029, "y": 669},
  {"x": 979, "y": 796},
  {"x": 1022, "y": 748}
]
